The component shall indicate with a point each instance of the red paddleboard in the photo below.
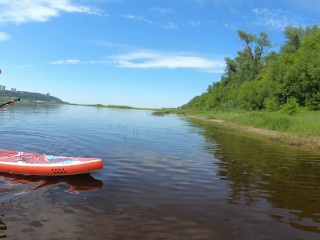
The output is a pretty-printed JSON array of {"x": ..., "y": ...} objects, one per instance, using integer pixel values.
[{"x": 46, "y": 165}]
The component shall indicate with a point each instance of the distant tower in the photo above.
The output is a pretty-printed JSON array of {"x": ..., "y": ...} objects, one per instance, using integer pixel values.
[
  {"x": 3, "y": 88},
  {"x": 48, "y": 94}
]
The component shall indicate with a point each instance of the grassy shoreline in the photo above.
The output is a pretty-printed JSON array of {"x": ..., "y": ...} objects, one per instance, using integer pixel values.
[
  {"x": 117, "y": 107},
  {"x": 300, "y": 129}
]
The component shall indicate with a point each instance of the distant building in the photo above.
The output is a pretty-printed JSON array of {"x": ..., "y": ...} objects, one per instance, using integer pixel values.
[
  {"x": 48, "y": 94},
  {"x": 3, "y": 88},
  {"x": 13, "y": 90}
]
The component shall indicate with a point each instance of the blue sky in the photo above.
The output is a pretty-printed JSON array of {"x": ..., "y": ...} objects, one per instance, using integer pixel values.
[{"x": 141, "y": 53}]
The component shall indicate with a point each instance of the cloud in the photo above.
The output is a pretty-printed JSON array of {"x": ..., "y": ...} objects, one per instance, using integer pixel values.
[
  {"x": 162, "y": 10},
  {"x": 221, "y": 3},
  {"x": 21, "y": 11},
  {"x": 195, "y": 23},
  {"x": 152, "y": 59},
  {"x": 276, "y": 19},
  {"x": 4, "y": 36},
  {"x": 170, "y": 25},
  {"x": 66, "y": 61},
  {"x": 155, "y": 60},
  {"x": 137, "y": 18},
  {"x": 231, "y": 26},
  {"x": 75, "y": 61}
]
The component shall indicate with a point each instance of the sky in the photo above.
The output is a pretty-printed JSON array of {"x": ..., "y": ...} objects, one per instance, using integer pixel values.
[{"x": 140, "y": 53}]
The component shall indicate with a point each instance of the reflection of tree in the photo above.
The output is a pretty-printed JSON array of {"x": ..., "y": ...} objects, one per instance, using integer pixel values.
[
  {"x": 3, "y": 228},
  {"x": 256, "y": 169}
]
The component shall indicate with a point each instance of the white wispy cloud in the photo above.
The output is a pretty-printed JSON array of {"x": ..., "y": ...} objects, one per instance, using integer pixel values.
[
  {"x": 137, "y": 18},
  {"x": 195, "y": 23},
  {"x": 232, "y": 26},
  {"x": 4, "y": 36},
  {"x": 66, "y": 61},
  {"x": 170, "y": 25},
  {"x": 73, "y": 61},
  {"x": 145, "y": 59},
  {"x": 21, "y": 11},
  {"x": 163, "y": 10},
  {"x": 169, "y": 60},
  {"x": 276, "y": 19}
]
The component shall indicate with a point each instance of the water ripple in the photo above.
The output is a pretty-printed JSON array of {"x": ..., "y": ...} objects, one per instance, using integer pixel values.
[{"x": 164, "y": 178}]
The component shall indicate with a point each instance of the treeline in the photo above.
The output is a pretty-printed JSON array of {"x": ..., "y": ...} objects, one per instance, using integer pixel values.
[
  {"x": 112, "y": 106},
  {"x": 29, "y": 96},
  {"x": 261, "y": 79}
]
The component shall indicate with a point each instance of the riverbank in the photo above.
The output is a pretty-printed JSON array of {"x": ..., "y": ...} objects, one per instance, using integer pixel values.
[
  {"x": 283, "y": 138},
  {"x": 300, "y": 129},
  {"x": 117, "y": 107}
]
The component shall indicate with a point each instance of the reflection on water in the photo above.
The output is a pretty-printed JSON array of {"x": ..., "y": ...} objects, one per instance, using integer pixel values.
[
  {"x": 164, "y": 178},
  {"x": 258, "y": 171},
  {"x": 76, "y": 183},
  {"x": 14, "y": 187},
  {"x": 3, "y": 229}
]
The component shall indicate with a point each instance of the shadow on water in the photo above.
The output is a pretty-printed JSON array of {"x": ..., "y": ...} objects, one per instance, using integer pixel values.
[
  {"x": 13, "y": 186},
  {"x": 76, "y": 183},
  {"x": 3, "y": 228},
  {"x": 258, "y": 172}
]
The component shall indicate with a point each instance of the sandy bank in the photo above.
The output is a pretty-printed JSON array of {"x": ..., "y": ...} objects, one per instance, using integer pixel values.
[{"x": 280, "y": 137}]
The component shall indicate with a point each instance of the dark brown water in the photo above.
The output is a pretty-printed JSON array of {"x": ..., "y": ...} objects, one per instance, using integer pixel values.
[{"x": 164, "y": 178}]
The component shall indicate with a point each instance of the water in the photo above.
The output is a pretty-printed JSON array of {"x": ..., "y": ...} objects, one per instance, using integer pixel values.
[{"x": 164, "y": 178}]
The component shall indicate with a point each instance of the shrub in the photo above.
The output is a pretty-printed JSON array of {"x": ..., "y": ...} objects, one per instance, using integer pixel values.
[
  {"x": 271, "y": 104},
  {"x": 314, "y": 102},
  {"x": 291, "y": 106}
]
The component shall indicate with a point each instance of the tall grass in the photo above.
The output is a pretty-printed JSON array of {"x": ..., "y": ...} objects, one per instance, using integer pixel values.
[{"x": 303, "y": 122}]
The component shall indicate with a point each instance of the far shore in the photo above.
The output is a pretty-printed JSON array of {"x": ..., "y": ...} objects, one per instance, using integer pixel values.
[{"x": 309, "y": 142}]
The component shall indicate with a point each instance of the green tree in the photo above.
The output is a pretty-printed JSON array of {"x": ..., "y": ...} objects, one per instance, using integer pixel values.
[
  {"x": 257, "y": 79},
  {"x": 249, "y": 61}
]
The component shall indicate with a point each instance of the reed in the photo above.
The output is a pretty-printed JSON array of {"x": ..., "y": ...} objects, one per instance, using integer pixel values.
[
  {"x": 301, "y": 128},
  {"x": 304, "y": 123}
]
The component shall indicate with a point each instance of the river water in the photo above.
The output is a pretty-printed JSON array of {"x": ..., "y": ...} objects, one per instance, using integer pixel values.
[{"x": 164, "y": 177}]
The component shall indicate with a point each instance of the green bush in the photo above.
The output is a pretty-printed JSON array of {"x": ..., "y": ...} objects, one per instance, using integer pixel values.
[
  {"x": 314, "y": 102},
  {"x": 291, "y": 106},
  {"x": 271, "y": 104}
]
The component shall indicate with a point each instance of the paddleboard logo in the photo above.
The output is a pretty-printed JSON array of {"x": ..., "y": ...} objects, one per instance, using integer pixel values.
[
  {"x": 60, "y": 160},
  {"x": 57, "y": 159},
  {"x": 70, "y": 161},
  {"x": 52, "y": 158}
]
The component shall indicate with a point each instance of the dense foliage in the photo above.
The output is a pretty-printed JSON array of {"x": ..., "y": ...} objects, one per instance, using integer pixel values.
[
  {"x": 29, "y": 97},
  {"x": 259, "y": 79}
]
